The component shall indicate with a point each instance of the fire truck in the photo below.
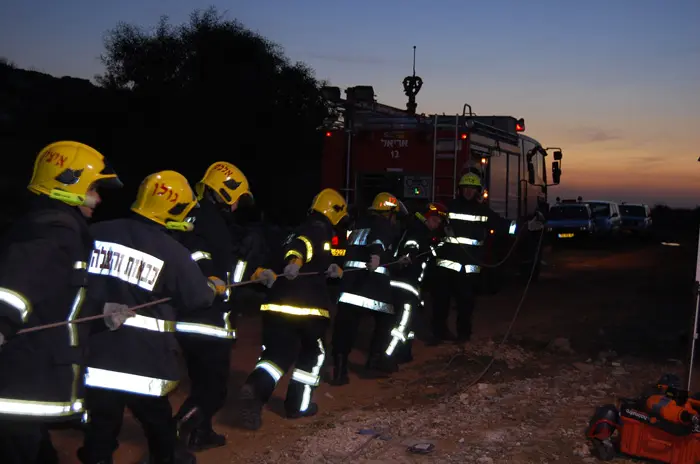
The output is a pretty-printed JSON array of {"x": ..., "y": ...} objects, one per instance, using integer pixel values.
[{"x": 371, "y": 147}]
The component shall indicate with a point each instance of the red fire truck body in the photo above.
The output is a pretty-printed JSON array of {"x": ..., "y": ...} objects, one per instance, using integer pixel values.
[{"x": 420, "y": 158}]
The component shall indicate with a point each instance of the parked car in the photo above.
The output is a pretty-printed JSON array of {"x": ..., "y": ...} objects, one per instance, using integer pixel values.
[
  {"x": 570, "y": 221},
  {"x": 636, "y": 219},
  {"x": 606, "y": 215}
]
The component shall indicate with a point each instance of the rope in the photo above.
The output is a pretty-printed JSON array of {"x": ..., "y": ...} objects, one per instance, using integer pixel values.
[
  {"x": 355, "y": 452},
  {"x": 131, "y": 310}
]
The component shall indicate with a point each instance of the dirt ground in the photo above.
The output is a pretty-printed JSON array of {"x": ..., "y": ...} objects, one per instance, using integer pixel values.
[{"x": 599, "y": 324}]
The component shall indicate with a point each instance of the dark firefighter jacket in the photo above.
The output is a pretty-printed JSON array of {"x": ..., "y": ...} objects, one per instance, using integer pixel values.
[
  {"x": 305, "y": 295},
  {"x": 211, "y": 247},
  {"x": 43, "y": 280},
  {"x": 420, "y": 244},
  {"x": 471, "y": 222},
  {"x": 135, "y": 261},
  {"x": 371, "y": 235}
]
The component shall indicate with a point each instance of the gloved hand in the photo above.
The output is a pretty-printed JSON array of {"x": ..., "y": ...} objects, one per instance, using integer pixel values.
[
  {"x": 218, "y": 285},
  {"x": 264, "y": 276},
  {"x": 116, "y": 315},
  {"x": 373, "y": 263},
  {"x": 291, "y": 270},
  {"x": 448, "y": 231},
  {"x": 536, "y": 223},
  {"x": 334, "y": 271},
  {"x": 405, "y": 260}
]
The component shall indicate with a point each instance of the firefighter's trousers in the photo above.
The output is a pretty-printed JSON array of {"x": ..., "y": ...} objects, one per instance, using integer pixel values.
[
  {"x": 347, "y": 324},
  {"x": 26, "y": 442},
  {"x": 447, "y": 284},
  {"x": 106, "y": 414},
  {"x": 407, "y": 304},
  {"x": 290, "y": 340},
  {"x": 208, "y": 362}
]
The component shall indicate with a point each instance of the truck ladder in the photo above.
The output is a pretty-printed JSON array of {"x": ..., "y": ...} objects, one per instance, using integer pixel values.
[{"x": 441, "y": 158}]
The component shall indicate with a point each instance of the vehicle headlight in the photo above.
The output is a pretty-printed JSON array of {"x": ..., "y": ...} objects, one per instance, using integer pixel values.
[
  {"x": 549, "y": 229},
  {"x": 583, "y": 227}
]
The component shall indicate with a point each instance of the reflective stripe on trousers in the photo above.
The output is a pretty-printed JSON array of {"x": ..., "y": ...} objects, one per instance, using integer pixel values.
[
  {"x": 367, "y": 303},
  {"x": 457, "y": 267},
  {"x": 310, "y": 379},
  {"x": 130, "y": 383},
  {"x": 398, "y": 333}
]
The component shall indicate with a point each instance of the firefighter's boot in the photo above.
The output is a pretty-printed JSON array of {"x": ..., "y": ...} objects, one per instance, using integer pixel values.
[
  {"x": 187, "y": 420},
  {"x": 340, "y": 370},
  {"x": 381, "y": 363},
  {"x": 203, "y": 438},
  {"x": 298, "y": 403},
  {"x": 181, "y": 456},
  {"x": 311, "y": 410},
  {"x": 251, "y": 407}
]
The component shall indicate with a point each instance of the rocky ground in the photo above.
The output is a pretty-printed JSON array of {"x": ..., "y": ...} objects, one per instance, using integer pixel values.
[{"x": 532, "y": 407}]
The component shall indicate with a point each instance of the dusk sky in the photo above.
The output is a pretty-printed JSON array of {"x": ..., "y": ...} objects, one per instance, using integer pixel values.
[{"x": 615, "y": 83}]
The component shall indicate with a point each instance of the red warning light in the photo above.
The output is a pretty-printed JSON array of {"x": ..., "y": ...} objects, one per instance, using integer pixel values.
[
  {"x": 329, "y": 133},
  {"x": 464, "y": 136},
  {"x": 518, "y": 128},
  {"x": 520, "y": 125},
  {"x": 334, "y": 241}
]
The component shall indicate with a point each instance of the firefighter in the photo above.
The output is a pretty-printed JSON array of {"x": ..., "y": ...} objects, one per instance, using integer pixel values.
[
  {"x": 459, "y": 258},
  {"x": 137, "y": 261},
  {"x": 369, "y": 246},
  {"x": 297, "y": 313},
  {"x": 43, "y": 280},
  {"x": 206, "y": 337},
  {"x": 418, "y": 244}
]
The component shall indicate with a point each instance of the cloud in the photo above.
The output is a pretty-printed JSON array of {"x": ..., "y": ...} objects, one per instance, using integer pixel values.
[{"x": 596, "y": 135}]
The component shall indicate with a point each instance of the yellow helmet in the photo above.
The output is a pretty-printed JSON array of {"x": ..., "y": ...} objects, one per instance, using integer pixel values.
[
  {"x": 470, "y": 180},
  {"x": 166, "y": 198},
  {"x": 331, "y": 204},
  {"x": 66, "y": 170},
  {"x": 387, "y": 202},
  {"x": 226, "y": 180}
]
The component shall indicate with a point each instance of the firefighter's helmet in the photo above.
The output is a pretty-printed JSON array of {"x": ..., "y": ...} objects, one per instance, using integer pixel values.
[
  {"x": 226, "y": 180},
  {"x": 67, "y": 170},
  {"x": 331, "y": 204},
  {"x": 166, "y": 198},
  {"x": 470, "y": 180},
  {"x": 386, "y": 202},
  {"x": 436, "y": 209}
]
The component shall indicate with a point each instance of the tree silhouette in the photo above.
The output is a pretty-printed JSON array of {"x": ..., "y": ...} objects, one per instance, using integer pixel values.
[{"x": 211, "y": 90}]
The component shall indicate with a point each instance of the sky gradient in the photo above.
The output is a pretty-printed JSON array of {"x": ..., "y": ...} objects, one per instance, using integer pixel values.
[{"x": 615, "y": 83}]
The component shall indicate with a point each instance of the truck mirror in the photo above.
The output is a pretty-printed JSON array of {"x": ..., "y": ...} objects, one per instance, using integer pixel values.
[
  {"x": 531, "y": 173},
  {"x": 556, "y": 172},
  {"x": 557, "y": 155}
]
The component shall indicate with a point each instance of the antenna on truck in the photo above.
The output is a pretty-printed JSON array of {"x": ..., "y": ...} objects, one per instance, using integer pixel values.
[{"x": 411, "y": 86}]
